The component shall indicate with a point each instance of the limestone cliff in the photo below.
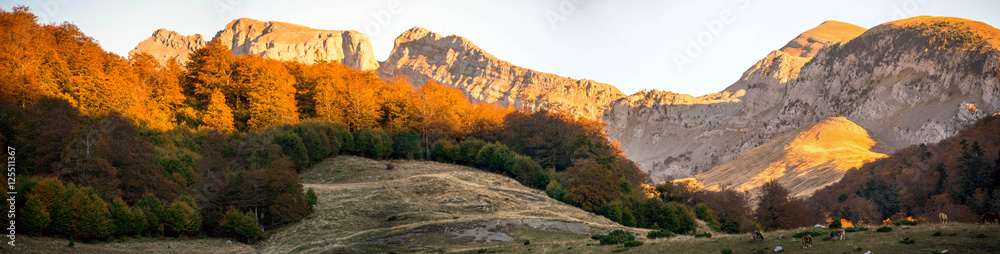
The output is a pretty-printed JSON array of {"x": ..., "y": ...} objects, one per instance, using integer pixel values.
[
  {"x": 164, "y": 44},
  {"x": 452, "y": 60},
  {"x": 910, "y": 81},
  {"x": 276, "y": 40}
]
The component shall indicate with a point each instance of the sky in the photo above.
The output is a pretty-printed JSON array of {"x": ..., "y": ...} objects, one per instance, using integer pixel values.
[{"x": 692, "y": 47}]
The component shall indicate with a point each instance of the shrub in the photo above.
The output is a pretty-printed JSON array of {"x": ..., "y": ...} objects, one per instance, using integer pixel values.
[
  {"x": 810, "y": 232},
  {"x": 527, "y": 242},
  {"x": 441, "y": 151},
  {"x": 703, "y": 213},
  {"x": 905, "y": 222},
  {"x": 374, "y": 144},
  {"x": 855, "y": 229},
  {"x": 496, "y": 158},
  {"x": 835, "y": 224},
  {"x": 406, "y": 145},
  {"x": 555, "y": 191},
  {"x": 466, "y": 151},
  {"x": 884, "y": 229},
  {"x": 240, "y": 226},
  {"x": 981, "y": 235},
  {"x": 633, "y": 243},
  {"x": 311, "y": 198},
  {"x": 907, "y": 240},
  {"x": 615, "y": 237},
  {"x": 726, "y": 251},
  {"x": 705, "y": 235},
  {"x": 937, "y": 233},
  {"x": 660, "y": 234},
  {"x": 530, "y": 173},
  {"x": 392, "y": 218},
  {"x": 316, "y": 141},
  {"x": 291, "y": 145}
]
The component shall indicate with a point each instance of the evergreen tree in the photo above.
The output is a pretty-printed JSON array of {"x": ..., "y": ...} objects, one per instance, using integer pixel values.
[{"x": 311, "y": 198}]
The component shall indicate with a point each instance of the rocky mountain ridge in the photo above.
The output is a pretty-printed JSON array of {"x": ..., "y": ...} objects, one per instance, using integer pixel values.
[
  {"x": 276, "y": 40},
  {"x": 907, "y": 82},
  {"x": 455, "y": 61}
]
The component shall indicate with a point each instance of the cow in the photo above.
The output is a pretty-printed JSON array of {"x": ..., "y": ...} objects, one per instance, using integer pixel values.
[
  {"x": 757, "y": 236},
  {"x": 837, "y": 233},
  {"x": 807, "y": 242},
  {"x": 943, "y": 217},
  {"x": 990, "y": 218}
]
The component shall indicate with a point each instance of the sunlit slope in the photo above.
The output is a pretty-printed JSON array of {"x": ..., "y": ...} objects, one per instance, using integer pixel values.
[
  {"x": 803, "y": 161},
  {"x": 367, "y": 206}
]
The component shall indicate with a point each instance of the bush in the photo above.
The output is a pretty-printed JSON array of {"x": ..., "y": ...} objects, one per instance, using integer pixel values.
[
  {"x": 311, "y": 198},
  {"x": 374, "y": 144},
  {"x": 702, "y": 212},
  {"x": 240, "y": 226},
  {"x": 937, "y": 233},
  {"x": 615, "y": 237},
  {"x": 392, "y": 218},
  {"x": 633, "y": 243},
  {"x": 705, "y": 235},
  {"x": 835, "y": 224},
  {"x": 726, "y": 251},
  {"x": 981, "y": 235},
  {"x": 884, "y": 229},
  {"x": 466, "y": 151},
  {"x": 315, "y": 139},
  {"x": 406, "y": 145},
  {"x": 555, "y": 191},
  {"x": 907, "y": 240},
  {"x": 660, "y": 234},
  {"x": 527, "y": 242},
  {"x": 496, "y": 158},
  {"x": 291, "y": 145},
  {"x": 905, "y": 222},
  {"x": 441, "y": 151},
  {"x": 530, "y": 173},
  {"x": 810, "y": 232},
  {"x": 855, "y": 229}
]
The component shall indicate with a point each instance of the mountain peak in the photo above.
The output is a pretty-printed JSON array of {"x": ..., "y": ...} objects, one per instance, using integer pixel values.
[
  {"x": 943, "y": 32},
  {"x": 830, "y": 32}
]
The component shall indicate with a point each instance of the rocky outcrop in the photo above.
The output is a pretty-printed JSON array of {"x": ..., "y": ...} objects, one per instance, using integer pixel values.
[
  {"x": 452, "y": 60},
  {"x": 802, "y": 161},
  {"x": 275, "y": 40},
  {"x": 165, "y": 44},
  {"x": 907, "y": 82}
]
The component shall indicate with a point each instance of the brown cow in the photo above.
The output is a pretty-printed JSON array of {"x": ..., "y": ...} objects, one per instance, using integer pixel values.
[
  {"x": 837, "y": 233},
  {"x": 943, "y": 217},
  {"x": 990, "y": 218},
  {"x": 807, "y": 242},
  {"x": 757, "y": 235}
]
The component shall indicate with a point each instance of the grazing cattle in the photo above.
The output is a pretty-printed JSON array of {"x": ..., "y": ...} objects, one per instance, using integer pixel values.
[
  {"x": 990, "y": 218},
  {"x": 807, "y": 242},
  {"x": 943, "y": 217},
  {"x": 757, "y": 236},
  {"x": 837, "y": 233}
]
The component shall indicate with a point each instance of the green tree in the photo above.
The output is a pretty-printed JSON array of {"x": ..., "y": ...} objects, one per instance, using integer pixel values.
[
  {"x": 441, "y": 151},
  {"x": 292, "y": 145},
  {"x": 94, "y": 220},
  {"x": 702, "y": 212},
  {"x": 153, "y": 210},
  {"x": 121, "y": 215},
  {"x": 35, "y": 216},
  {"x": 242, "y": 227},
  {"x": 180, "y": 219},
  {"x": 496, "y": 158},
  {"x": 311, "y": 198},
  {"x": 406, "y": 145}
]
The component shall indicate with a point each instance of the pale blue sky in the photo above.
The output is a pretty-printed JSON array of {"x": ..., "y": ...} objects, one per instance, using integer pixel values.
[{"x": 633, "y": 45}]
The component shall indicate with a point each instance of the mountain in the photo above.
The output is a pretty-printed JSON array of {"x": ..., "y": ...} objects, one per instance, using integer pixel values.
[
  {"x": 453, "y": 60},
  {"x": 907, "y": 82},
  {"x": 803, "y": 161},
  {"x": 276, "y": 40}
]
